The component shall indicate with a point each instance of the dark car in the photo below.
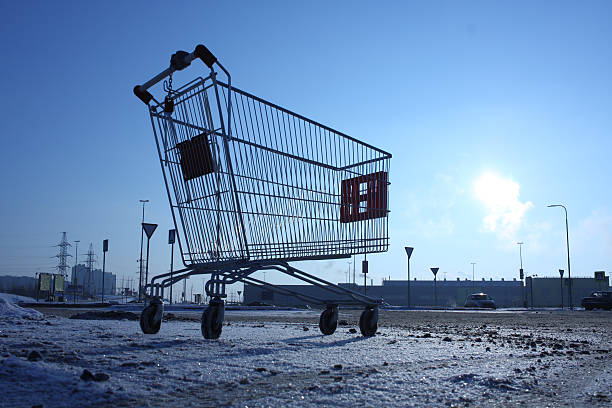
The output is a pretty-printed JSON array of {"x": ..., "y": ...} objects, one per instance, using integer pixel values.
[
  {"x": 598, "y": 300},
  {"x": 480, "y": 300}
]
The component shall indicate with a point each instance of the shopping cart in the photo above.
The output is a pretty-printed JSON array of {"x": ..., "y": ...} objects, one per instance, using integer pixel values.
[{"x": 255, "y": 186}]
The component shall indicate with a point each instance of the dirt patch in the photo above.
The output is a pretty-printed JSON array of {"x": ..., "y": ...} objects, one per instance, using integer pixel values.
[{"x": 109, "y": 315}]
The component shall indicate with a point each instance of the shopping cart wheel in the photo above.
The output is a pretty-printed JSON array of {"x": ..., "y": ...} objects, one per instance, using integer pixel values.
[
  {"x": 212, "y": 319},
  {"x": 368, "y": 322},
  {"x": 329, "y": 320},
  {"x": 151, "y": 317}
]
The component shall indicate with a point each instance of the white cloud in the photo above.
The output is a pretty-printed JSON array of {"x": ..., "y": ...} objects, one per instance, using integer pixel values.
[
  {"x": 500, "y": 198},
  {"x": 594, "y": 233}
]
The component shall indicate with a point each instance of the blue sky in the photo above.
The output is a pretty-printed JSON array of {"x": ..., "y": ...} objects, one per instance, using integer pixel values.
[{"x": 492, "y": 111}]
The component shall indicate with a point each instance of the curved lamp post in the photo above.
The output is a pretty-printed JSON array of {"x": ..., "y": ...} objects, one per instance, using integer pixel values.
[{"x": 569, "y": 272}]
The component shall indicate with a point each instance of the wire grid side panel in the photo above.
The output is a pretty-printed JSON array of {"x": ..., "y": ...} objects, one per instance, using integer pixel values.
[
  {"x": 193, "y": 159},
  {"x": 289, "y": 172}
]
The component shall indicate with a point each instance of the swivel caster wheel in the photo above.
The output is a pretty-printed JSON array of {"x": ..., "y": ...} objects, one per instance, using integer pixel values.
[
  {"x": 151, "y": 317},
  {"x": 368, "y": 322},
  {"x": 328, "y": 322},
  {"x": 212, "y": 319}
]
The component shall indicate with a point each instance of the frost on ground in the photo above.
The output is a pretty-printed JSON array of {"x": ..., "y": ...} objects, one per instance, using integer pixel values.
[
  {"x": 10, "y": 310},
  {"x": 417, "y": 359}
]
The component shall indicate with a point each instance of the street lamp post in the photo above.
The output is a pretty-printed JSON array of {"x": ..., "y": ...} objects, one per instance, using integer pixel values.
[
  {"x": 473, "y": 282},
  {"x": 569, "y": 271},
  {"x": 141, "y": 240},
  {"x": 561, "y": 280},
  {"x": 76, "y": 263},
  {"x": 522, "y": 274}
]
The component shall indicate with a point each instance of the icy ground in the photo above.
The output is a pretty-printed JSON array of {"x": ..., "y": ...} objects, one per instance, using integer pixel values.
[{"x": 418, "y": 359}]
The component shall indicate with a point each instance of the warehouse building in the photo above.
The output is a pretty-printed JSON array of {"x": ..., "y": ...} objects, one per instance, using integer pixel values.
[{"x": 445, "y": 293}]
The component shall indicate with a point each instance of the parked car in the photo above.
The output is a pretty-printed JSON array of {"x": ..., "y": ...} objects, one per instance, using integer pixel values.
[
  {"x": 598, "y": 300},
  {"x": 480, "y": 300}
]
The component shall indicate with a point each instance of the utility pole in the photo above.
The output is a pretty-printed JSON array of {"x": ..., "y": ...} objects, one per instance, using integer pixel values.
[
  {"x": 62, "y": 266},
  {"x": 91, "y": 260}
]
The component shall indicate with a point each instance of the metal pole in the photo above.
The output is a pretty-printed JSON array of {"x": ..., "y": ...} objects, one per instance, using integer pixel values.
[
  {"x": 171, "y": 269},
  {"x": 435, "y": 273},
  {"x": 76, "y": 263},
  {"x": 561, "y": 280},
  {"x": 408, "y": 281},
  {"x": 473, "y": 282},
  {"x": 409, "y": 254},
  {"x": 147, "y": 271},
  {"x": 103, "y": 271},
  {"x": 569, "y": 270},
  {"x": 140, "y": 262}
]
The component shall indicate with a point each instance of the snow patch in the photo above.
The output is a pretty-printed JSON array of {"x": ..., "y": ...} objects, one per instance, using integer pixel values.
[{"x": 9, "y": 308}]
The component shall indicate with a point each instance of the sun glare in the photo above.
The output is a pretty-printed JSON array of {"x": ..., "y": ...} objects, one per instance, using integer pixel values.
[{"x": 500, "y": 197}]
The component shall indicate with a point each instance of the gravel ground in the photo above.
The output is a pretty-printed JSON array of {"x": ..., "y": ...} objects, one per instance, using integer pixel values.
[{"x": 418, "y": 358}]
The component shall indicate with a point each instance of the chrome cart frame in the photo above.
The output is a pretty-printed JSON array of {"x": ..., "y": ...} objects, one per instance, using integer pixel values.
[{"x": 254, "y": 186}]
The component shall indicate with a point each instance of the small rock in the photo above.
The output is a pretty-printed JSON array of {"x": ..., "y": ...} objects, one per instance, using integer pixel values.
[
  {"x": 488, "y": 348},
  {"x": 101, "y": 377},
  {"x": 37, "y": 406},
  {"x": 447, "y": 339},
  {"x": 244, "y": 381},
  {"x": 338, "y": 378},
  {"x": 385, "y": 364},
  {"x": 305, "y": 328},
  {"x": 86, "y": 375},
  {"x": 261, "y": 369},
  {"x": 323, "y": 372},
  {"x": 352, "y": 330},
  {"x": 34, "y": 356},
  {"x": 337, "y": 366},
  {"x": 273, "y": 372},
  {"x": 342, "y": 323},
  {"x": 426, "y": 335}
]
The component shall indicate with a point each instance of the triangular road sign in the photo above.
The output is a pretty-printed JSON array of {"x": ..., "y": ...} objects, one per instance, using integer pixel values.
[
  {"x": 149, "y": 229},
  {"x": 409, "y": 251},
  {"x": 434, "y": 270}
]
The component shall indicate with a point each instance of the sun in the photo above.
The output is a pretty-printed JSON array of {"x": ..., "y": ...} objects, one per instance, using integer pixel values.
[
  {"x": 495, "y": 191},
  {"x": 504, "y": 212}
]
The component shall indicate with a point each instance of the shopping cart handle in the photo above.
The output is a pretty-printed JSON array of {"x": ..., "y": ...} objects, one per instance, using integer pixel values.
[
  {"x": 179, "y": 60},
  {"x": 205, "y": 55}
]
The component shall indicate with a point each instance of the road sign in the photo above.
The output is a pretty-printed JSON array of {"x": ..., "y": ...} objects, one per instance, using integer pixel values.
[
  {"x": 149, "y": 229},
  {"x": 561, "y": 272},
  {"x": 434, "y": 270},
  {"x": 105, "y": 245},
  {"x": 171, "y": 236},
  {"x": 521, "y": 274},
  {"x": 409, "y": 251},
  {"x": 364, "y": 267}
]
